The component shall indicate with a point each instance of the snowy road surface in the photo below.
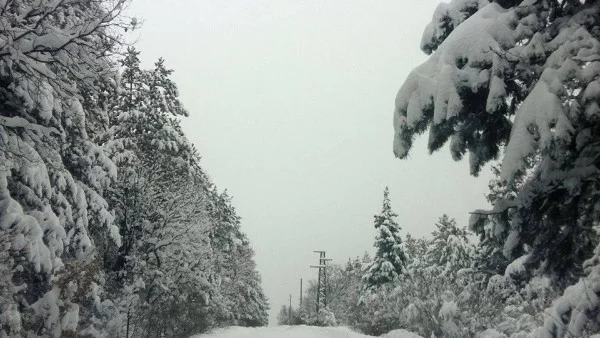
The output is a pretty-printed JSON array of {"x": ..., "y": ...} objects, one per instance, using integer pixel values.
[{"x": 297, "y": 332}]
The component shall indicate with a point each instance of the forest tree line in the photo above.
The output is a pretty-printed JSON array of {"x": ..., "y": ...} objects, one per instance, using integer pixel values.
[
  {"x": 109, "y": 226},
  {"x": 442, "y": 285}
]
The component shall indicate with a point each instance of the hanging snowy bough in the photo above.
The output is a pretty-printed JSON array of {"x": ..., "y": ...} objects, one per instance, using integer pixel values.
[{"x": 449, "y": 92}]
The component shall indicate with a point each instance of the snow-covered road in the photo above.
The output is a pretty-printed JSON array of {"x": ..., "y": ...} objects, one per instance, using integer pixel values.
[{"x": 297, "y": 332}]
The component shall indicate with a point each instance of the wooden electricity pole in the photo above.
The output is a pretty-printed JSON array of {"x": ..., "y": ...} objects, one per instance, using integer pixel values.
[
  {"x": 322, "y": 281},
  {"x": 300, "y": 292}
]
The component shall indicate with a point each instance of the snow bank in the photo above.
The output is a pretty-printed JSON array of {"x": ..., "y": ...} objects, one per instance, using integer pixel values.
[{"x": 400, "y": 334}]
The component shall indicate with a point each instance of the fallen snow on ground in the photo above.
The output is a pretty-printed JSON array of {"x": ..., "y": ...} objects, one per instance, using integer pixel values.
[
  {"x": 400, "y": 334},
  {"x": 300, "y": 331}
]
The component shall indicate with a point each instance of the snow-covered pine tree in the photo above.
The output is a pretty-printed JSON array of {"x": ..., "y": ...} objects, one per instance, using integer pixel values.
[
  {"x": 242, "y": 288},
  {"x": 450, "y": 248},
  {"x": 523, "y": 75},
  {"x": 490, "y": 258},
  {"x": 284, "y": 316},
  {"x": 576, "y": 312},
  {"x": 224, "y": 241},
  {"x": 415, "y": 248},
  {"x": 410, "y": 244},
  {"x": 144, "y": 133},
  {"x": 427, "y": 300},
  {"x": 390, "y": 259},
  {"x": 225, "y": 234},
  {"x": 168, "y": 287},
  {"x": 164, "y": 203},
  {"x": 53, "y": 175},
  {"x": 144, "y": 117},
  {"x": 244, "y": 303},
  {"x": 163, "y": 269}
]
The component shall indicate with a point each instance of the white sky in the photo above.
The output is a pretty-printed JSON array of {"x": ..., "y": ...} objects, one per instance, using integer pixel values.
[{"x": 291, "y": 109}]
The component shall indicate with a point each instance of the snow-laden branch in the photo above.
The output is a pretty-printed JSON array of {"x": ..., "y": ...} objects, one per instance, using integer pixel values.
[{"x": 19, "y": 122}]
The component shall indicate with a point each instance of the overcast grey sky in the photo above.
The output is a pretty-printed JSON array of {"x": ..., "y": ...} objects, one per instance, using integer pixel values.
[{"x": 291, "y": 108}]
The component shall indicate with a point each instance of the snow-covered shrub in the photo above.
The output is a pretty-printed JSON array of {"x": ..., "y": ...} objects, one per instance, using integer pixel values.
[{"x": 326, "y": 318}]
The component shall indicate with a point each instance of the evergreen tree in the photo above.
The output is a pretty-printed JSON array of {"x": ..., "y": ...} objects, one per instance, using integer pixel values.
[
  {"x": 244, "y": 303},
  {"x": 519, "y": 80},
  {"x": 390, "y": 259},
  {"x": 492, "y": 234},
  {"x": 162, "y": 270},
  {"x": 147, "y": 144},
  {"x": 284, "y": 317},
  {"x": 415, "y": 248},
  {"x": 450, "y": 248},
  {"x": 105, "y": 212},
  {"x": 527, "y": 82},
  {"x": 53, "y": 174}
]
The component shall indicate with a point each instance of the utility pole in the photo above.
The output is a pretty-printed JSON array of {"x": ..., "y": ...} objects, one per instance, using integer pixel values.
[
  {"x": 290, "y": 311},
  {"x": 322, "y": 281},
  {"x": 300, "y": 292}
]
